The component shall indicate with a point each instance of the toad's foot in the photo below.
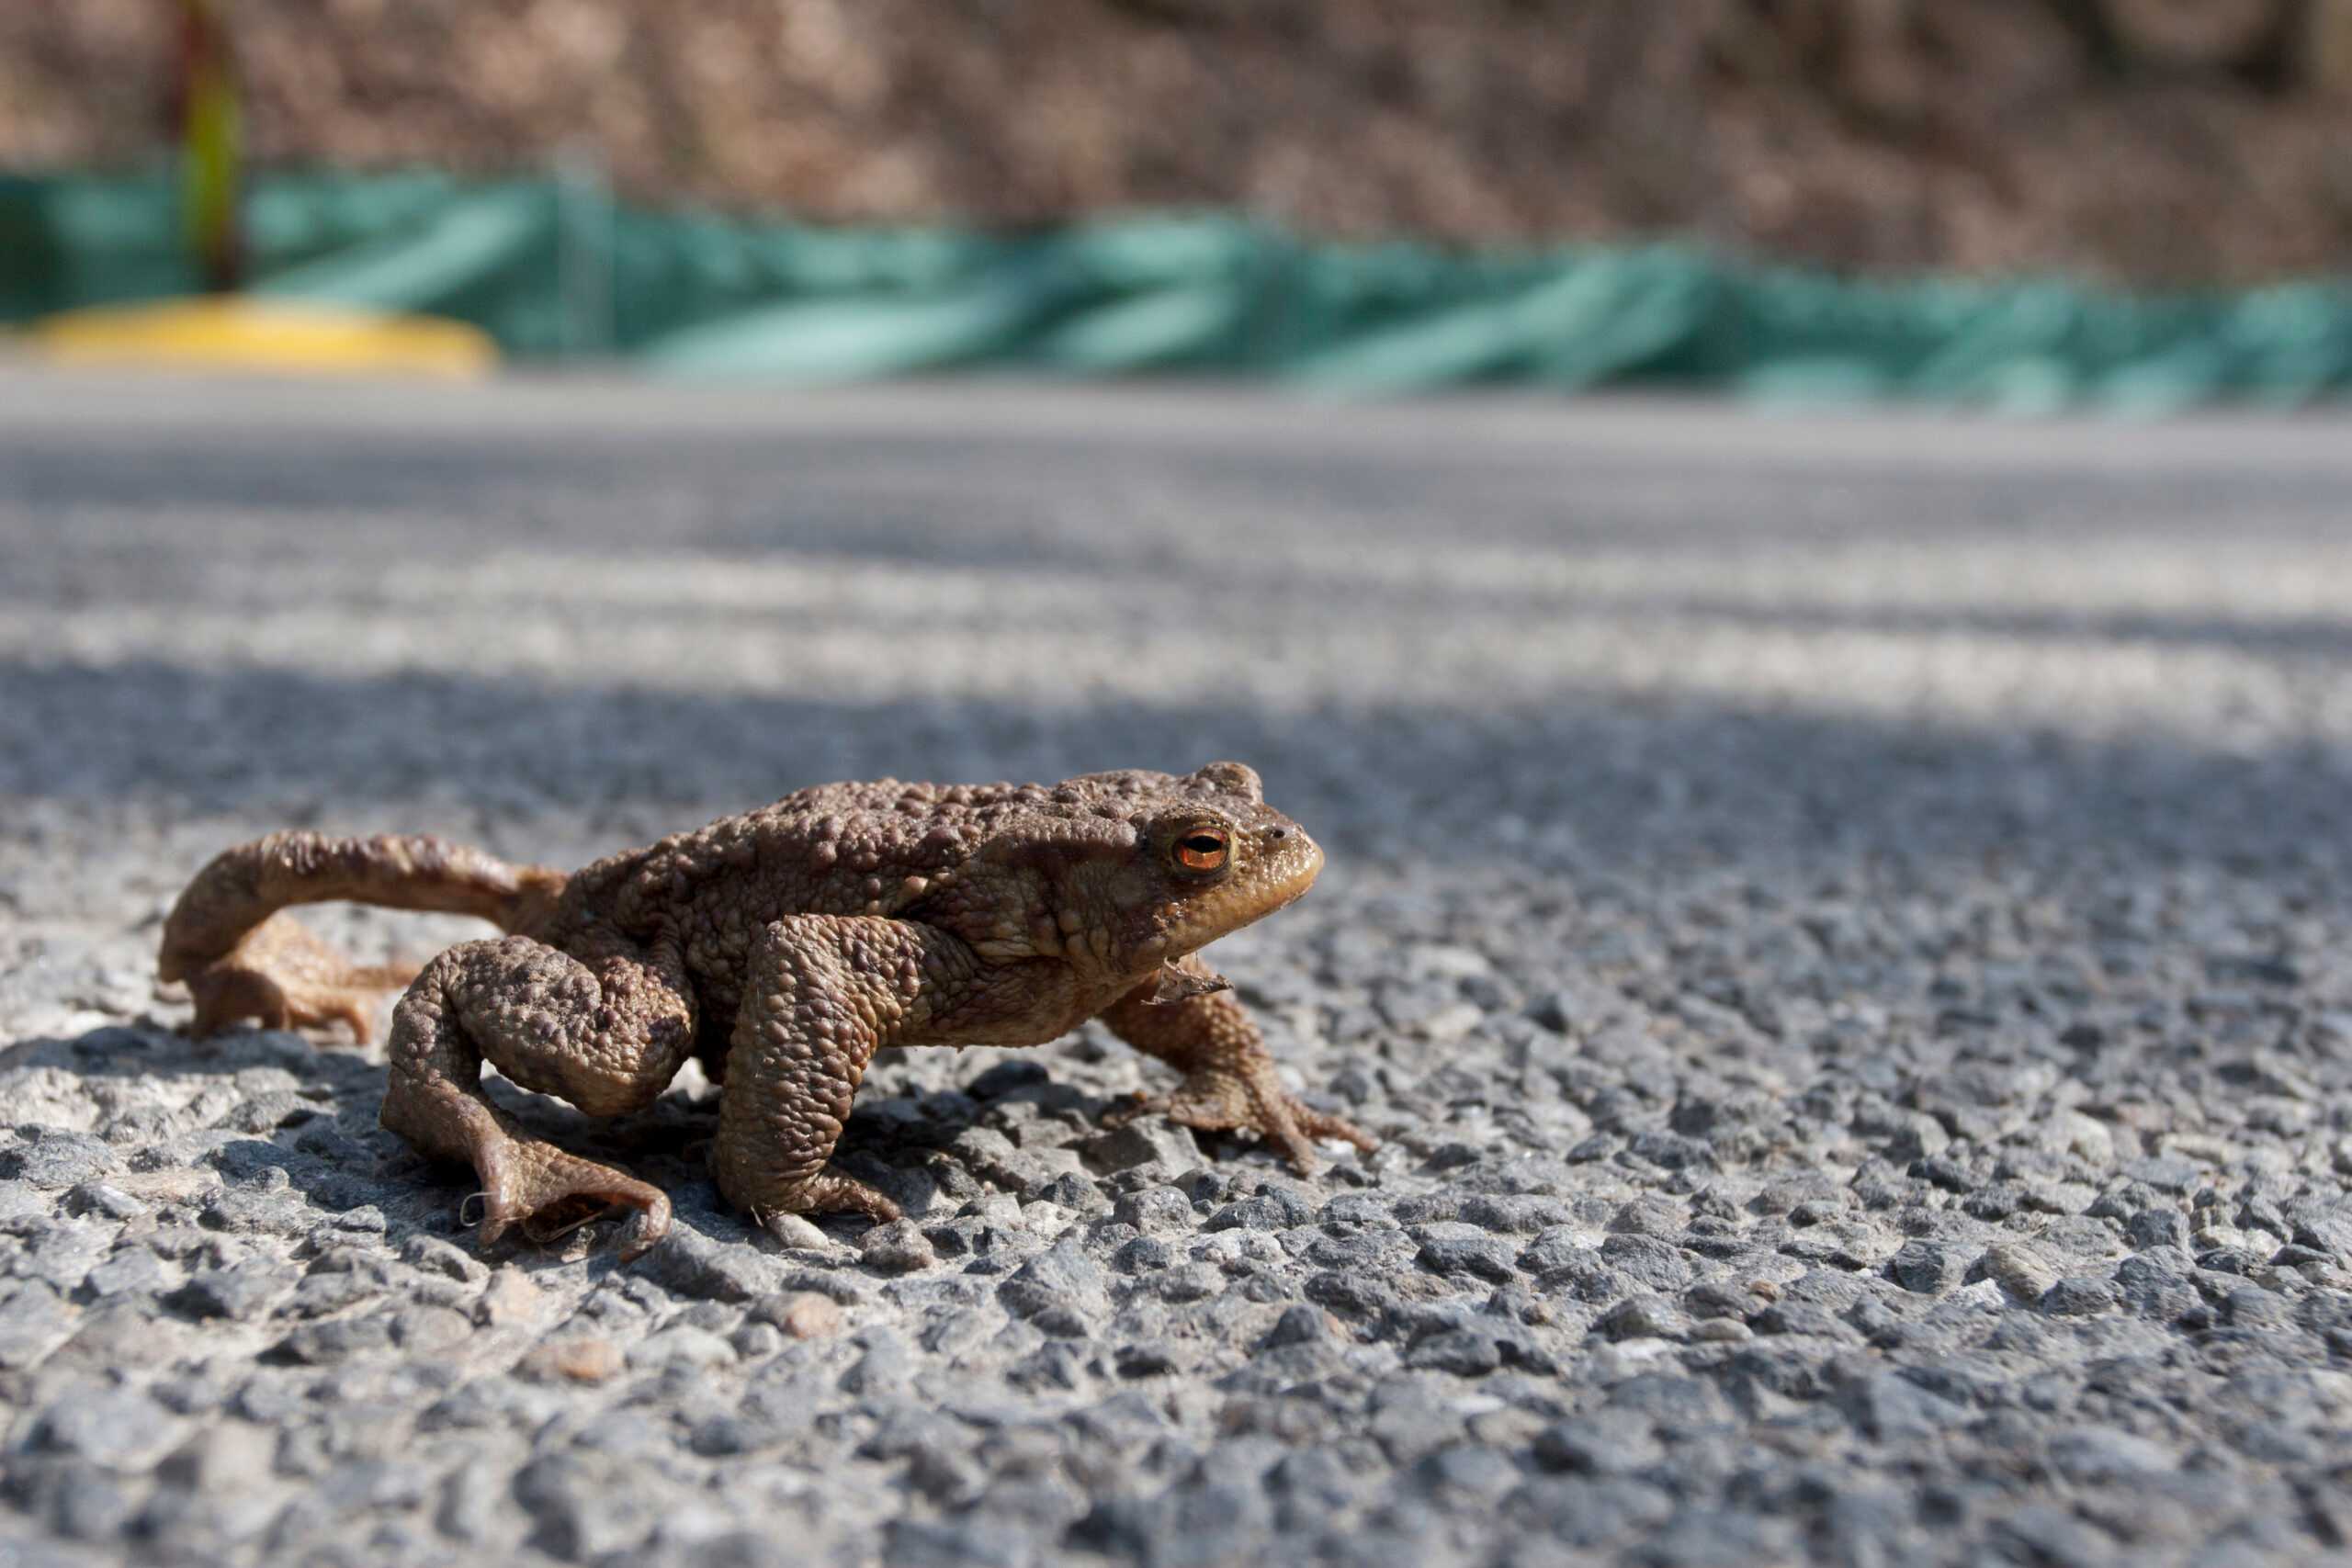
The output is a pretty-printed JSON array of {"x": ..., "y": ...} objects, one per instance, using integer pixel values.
[
  {"x": 285, "y": 978},
  {"x": 606, "y": 1038},
  {"x": 827, "y": 1192},
  {"x": 544, "y": 1193},
  {"x": 1247, "y": 1097}
]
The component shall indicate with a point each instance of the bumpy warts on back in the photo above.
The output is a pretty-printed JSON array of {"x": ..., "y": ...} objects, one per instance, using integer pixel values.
[{"x": 783, "y": 948}]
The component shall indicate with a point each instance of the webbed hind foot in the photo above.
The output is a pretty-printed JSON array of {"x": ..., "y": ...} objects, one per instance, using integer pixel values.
[
  {"x": 282, "y": 976},
  {"x": 528, "y": 1186},
  {"x": 544, "y": 1194}
]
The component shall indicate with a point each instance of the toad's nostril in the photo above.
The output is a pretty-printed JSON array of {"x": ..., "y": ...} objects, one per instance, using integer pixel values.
[{"x": 1276, "y": 835}]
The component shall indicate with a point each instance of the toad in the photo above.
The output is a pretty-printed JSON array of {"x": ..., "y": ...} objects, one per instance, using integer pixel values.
[{"x": 781, "y": 948}]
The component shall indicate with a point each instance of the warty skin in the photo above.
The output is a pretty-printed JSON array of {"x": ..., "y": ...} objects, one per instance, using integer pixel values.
[{"x": 783, "y": 948}]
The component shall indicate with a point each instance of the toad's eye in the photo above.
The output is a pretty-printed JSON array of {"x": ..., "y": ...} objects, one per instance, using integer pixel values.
[{"x": 1202, "y": 850}]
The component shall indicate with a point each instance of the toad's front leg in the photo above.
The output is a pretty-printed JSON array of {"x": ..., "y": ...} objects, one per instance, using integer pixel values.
[
  {"x": 1202, "y": 1030},
  {"x": 822, "y": 994}
]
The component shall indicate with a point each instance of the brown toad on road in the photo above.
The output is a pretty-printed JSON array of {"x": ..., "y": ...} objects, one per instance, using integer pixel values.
[{"x": 781, "y": 947}]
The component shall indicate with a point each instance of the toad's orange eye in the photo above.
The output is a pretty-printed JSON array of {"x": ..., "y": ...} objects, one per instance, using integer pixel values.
[{"x": 1203, "y": 849}]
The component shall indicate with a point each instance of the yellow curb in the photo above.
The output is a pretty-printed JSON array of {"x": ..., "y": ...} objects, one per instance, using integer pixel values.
[{"x": 266, "y": 336}]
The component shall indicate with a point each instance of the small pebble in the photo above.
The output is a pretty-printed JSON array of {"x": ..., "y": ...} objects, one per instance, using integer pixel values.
[
  {"x": 803, "y": 1315},
  {"x": 581, "y": 1361}
]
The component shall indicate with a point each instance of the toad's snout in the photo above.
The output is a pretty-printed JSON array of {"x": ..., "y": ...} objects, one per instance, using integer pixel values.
[{"x": 1291, "y": 861}]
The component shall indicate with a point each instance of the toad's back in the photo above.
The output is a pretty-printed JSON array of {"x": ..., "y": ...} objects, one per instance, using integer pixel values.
[{"x": 883, "y": 848}]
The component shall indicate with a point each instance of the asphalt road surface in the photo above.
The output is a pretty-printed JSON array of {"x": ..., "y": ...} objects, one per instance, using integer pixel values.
[{"x": 1843, "y": 924}]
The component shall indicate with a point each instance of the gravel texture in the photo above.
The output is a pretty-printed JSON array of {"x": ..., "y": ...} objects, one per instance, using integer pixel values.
[{"x": 1845, "y": 928}]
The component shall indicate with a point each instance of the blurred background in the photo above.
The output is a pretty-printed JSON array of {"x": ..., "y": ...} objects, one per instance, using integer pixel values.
[
  {"x": 1772, "y": 196},
  {"x": 2154, "y": 141}
]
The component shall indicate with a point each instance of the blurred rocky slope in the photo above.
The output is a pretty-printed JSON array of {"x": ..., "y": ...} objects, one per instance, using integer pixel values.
[{"x": 2141, "y": 141}]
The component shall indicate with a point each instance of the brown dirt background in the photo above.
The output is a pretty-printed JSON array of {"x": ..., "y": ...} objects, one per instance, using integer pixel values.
[{"x": 2138, "y": 140}]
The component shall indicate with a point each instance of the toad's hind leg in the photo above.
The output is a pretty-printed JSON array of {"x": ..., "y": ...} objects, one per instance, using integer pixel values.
[
  {"x": 607, "y": 1036},
  {"x": 281, "y": 975},
  {"x": 242, "y": 958}
]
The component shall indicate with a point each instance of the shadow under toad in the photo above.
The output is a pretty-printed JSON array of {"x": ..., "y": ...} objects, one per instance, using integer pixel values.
[{"x": 242, "y": 1126}]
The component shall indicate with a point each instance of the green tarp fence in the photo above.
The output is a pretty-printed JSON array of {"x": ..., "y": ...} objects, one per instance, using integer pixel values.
[{"x": 554, "y": 270}]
